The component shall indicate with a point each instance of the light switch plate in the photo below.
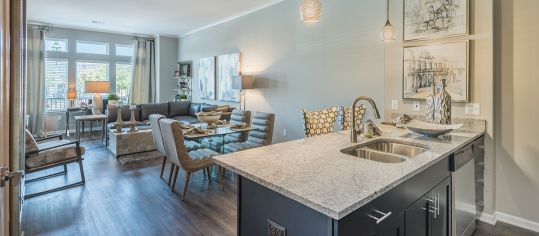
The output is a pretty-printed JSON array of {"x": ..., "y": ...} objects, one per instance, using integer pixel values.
[
  {"x": 394, "y": 104},
  {"x": 472, "y": 109},
  {"x": 416, "y": 106}
]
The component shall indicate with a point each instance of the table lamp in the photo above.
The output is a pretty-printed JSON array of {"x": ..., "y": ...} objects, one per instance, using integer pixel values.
[
  {"x": 71, "y": 96},
  {"x": 242, "y": 83},
  {"x": 97, "y": 88}
]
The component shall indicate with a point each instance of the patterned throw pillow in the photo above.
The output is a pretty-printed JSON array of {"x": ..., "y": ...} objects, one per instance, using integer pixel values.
[
  {"x": 320, "y": 122},
  {"x": 347, "y": 118}
]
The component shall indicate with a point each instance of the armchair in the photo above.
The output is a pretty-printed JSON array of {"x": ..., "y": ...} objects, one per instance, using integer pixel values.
[{"x": 52, "y": 154}]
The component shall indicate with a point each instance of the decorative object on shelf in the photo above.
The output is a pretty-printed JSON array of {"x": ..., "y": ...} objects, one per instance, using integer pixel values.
[
  {"x": 430, "y": 129},
  {"x": 435, "y": 18},
  {"x": 113, "y": 99},
  {"x": 97, "y": 88},
  {"x": 443, "y": 106},
  {"x": 242, "y": 83},
  {"x": 310, "y": 11},
  {"x": 132, "y": 121},
  {"x": 206, "y": 78},
  {"x": 388, "y": 31},
  {"x": 119, "y": 121},
  {"x": 424, "y": 65},
  {"x": 228, "y": 66},
  {"x": 184, "y": 85},
  {"x": 71, "y": 96},
  {"x": 431, "y": 104}
]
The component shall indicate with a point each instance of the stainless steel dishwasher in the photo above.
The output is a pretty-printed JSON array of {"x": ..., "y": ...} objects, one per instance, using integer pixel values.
[{"x": 463, "y": 194}]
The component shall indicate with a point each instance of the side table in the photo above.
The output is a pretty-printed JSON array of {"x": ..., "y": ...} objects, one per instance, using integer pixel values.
[{"x": 99, "y": 118}]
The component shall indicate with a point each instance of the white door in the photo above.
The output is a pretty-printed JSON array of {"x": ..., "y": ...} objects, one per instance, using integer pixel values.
[{"x": 12, "y": 70}]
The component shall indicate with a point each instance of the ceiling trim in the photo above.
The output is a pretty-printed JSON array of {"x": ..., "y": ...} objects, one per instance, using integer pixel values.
[{"x": 231, "y": 18}]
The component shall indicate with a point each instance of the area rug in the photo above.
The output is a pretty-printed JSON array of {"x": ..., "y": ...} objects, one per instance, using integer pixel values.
[{"x": 139, "y": 157}]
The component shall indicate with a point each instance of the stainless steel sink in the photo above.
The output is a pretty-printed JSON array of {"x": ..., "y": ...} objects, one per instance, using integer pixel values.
[{"x": 387, "y": 151}]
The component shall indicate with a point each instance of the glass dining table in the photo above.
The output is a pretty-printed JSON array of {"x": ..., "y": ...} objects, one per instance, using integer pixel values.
[{"x": 219, "y": 132}]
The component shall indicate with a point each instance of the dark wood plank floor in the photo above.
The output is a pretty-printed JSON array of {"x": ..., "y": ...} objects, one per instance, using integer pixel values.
[
  {"x": 133, "y": 200},
  {"x": 129, "y": 200}
]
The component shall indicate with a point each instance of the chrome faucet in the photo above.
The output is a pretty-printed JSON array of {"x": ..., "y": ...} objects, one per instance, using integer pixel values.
[{"x": 353, "y": 134}]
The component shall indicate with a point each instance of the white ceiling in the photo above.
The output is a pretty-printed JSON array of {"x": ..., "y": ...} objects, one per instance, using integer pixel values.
[{"x": 164, "y": 17}]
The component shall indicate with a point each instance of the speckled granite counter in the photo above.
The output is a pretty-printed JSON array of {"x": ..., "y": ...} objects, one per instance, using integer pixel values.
[{"x": 316, "y": 174}]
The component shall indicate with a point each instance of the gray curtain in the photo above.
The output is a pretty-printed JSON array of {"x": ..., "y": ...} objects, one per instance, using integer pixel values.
[
  {"x": 35, "y": 79},
  {"x": 143, "y": 86}
]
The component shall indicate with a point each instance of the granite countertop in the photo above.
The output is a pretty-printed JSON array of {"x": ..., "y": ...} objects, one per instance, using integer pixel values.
[{"x": 315, "y": 173}]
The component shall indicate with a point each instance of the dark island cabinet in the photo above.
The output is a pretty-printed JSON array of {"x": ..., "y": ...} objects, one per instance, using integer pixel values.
[{"x": 419, "y": 206}]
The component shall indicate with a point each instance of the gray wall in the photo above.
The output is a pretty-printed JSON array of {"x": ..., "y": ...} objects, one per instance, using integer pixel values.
[
  {"x": 297, "y": 65},
  {"x": 167, "y": 62},
  {"x": 517, "y": 110}
]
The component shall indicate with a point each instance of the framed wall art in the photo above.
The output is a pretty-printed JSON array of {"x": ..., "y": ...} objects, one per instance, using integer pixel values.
[
  {"x": 228, "y": 66},
  {"x": 206, "y": 78},
  {"x": 429, "y": 19},
  {"x": 424, "y": 65}
]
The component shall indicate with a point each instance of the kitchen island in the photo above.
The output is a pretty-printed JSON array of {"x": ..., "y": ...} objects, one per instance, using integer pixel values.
[{"x": 310, "y": 187}]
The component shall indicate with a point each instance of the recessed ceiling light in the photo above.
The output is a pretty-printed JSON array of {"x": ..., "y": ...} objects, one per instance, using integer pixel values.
[{"x": 97, "y": 22}]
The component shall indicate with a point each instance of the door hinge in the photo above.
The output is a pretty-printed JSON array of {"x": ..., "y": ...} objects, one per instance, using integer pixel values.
[{"x": 6, "y": 175}]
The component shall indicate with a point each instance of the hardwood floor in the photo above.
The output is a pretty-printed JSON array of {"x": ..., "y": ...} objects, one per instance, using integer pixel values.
[
  {"x": 129, "y": 200},
  {"x": 133, "y": 200}
]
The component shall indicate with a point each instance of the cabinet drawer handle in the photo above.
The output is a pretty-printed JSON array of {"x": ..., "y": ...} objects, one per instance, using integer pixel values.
[
  {"x": 384, "y": 216},
  {"x": 481, "y": 163},
  {"x": 480, "y": 203},
  {"x": 481, "y": 180}
]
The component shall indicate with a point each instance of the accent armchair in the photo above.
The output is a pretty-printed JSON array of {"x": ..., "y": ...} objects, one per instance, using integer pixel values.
[{"x": 52, "y": 154}]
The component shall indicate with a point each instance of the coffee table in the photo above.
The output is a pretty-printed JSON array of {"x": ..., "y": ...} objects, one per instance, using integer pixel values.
[{"x": 126, "y": 142}]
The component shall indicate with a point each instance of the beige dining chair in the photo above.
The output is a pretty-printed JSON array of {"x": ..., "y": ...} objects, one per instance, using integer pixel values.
[
  {"x": 176, "y": 152},
  {"x": 345, "y": 116}
]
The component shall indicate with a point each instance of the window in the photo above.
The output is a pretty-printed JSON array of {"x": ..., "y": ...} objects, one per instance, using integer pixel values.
[
  {"x": 90, "y": 71},
  {"x": 92, "y": 47},
  {"x": 55, "y": 84},
  {"x": 56, "y": 45},
  {"x": 123, "y": 81},
  {"x": 124, "y": 50}
]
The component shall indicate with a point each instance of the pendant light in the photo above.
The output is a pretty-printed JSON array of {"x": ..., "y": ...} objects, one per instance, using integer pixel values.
[
  {"x": 388, "y": 32},
  {"x": 310, "y": 11}
]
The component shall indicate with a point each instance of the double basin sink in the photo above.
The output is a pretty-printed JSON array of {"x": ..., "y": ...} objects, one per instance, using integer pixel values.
[{"x": 387, "y": 151}]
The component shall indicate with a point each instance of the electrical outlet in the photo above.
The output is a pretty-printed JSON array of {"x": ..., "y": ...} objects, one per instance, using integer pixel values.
[
  {"x": 416, "y": 106},
  {"x": 472, "y": 109},
  {"x": 284, "y": 133},
  {"x": 394, "y": 104}
]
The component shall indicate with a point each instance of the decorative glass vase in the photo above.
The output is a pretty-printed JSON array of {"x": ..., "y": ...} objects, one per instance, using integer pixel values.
[
  {"x": 443, "y": 106},
  {"x": 431, "y": 104}
]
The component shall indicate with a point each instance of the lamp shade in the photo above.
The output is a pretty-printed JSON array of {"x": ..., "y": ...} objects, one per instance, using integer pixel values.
[
  {"x": 242, "y": 82},
  {"x": 96, "y": 86},
  {"x": 310, "y": 11},
  {"x": 71, "y": 94}
]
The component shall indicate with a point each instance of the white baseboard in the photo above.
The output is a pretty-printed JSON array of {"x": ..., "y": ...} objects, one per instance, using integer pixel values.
[
  {"x": 509, "y": 219},
  {"x": 517, "y": 221}
]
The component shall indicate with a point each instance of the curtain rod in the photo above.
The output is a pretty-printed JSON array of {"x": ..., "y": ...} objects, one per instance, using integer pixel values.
[
  {"x": 147, "y": 38},
  {"x": 38, "y": 26}
]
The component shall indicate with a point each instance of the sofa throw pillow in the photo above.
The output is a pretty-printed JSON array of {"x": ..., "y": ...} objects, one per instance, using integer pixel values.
[
  {"x": 194, "y": 108},
  {"x": 178, "y": 108}
]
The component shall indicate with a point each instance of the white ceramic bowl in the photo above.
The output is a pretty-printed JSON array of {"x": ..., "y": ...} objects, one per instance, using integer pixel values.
[
  {"x": 208, "y": 117},
  {"x": 431, "y": 130}
]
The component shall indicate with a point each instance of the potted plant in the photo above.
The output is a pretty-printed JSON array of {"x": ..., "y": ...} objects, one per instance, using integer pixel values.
[
  {"x": 113, "y": 99},
  {"x": 184, "y": 97}
]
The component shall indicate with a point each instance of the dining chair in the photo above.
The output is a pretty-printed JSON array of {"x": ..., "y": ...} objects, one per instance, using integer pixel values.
[
  {"x": 262, "y": 134},
  {"x": 46, "y": 155},
  {"x": 176, "y": 151},
  {"x": 319, "y": 122},
  {"x": 158, "y": 141},
  {"x": 345, "y": 116},
  {"x": 237, "y": 117}
]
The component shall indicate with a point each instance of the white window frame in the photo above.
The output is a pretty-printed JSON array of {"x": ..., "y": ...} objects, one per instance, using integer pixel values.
[{"x": 91, "y": 42}]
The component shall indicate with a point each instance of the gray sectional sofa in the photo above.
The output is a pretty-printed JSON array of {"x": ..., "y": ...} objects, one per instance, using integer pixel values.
[{"x": 184, "y": 112}]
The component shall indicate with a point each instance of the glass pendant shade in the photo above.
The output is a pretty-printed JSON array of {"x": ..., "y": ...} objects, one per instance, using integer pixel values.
[
  {"x": 387, "y": 33},
  {"x": 310, "y": 11}
]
